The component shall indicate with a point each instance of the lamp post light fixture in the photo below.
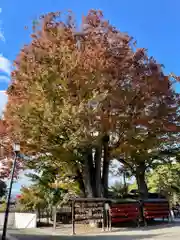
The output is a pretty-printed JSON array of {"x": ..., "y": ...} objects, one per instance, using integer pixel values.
[
  {"x": 16, "y": 147},
  {"x": 16, "y": 150}
]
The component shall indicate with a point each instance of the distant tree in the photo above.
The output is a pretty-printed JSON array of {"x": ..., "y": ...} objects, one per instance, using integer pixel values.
[
  {"x": 32, "y": 199},
  {"x": 133, "y": 186},
  {"x": 49, "y": 187},
  {"x": 165, "y": 179},
  {"x": 118, "y": 189}
]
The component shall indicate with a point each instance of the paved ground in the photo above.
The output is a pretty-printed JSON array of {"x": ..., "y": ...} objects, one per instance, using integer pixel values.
[{"x": 163, "y": 232}]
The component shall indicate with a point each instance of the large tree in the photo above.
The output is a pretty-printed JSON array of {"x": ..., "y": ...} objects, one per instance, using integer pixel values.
[{"x": 86, "y": 94}]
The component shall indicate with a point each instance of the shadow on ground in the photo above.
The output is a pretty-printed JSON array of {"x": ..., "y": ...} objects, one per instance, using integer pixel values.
[
  {"x": 102, "y": 237},
  {"x": 151, "y": 226},
  {"x": 117, "y": 233},
  {"x": 41, "y": 224}
]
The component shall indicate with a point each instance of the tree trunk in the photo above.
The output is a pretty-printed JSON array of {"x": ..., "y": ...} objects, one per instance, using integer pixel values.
[
  {"x": 124, "y": 179},
  {"x": 105, "y": 170},
  {"x": 97, "y": 160},
  {"x": 55, "y": 217},
  {"x": 39, "y": 215},
  {"x": 47, "y": 216},
  {"x": 89, "y": 179},
  {"x": 80, "y": 180},
  {"x": 141, "y": 182}
]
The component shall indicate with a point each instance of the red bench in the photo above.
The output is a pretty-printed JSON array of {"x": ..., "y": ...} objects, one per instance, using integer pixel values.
[
  {"x": 124, "y": 212},
  {"x": 155, "y": 209}
]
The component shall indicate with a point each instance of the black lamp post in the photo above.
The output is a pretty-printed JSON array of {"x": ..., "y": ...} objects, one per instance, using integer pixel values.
[{"x": 16, "y": 149}]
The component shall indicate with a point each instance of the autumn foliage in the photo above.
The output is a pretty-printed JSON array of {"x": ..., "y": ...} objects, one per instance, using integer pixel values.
[
  {"x": 90, "y": 89},
  {"x": 6, "y": 153}
]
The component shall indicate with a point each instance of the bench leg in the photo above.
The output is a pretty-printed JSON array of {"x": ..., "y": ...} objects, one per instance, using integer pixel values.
[
  {"x": 145, "y": 222},
  {"x": 138, "y": 223}
]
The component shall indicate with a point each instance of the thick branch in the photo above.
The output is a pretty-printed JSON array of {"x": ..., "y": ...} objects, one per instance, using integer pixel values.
[{"x": 126, "y": 164}]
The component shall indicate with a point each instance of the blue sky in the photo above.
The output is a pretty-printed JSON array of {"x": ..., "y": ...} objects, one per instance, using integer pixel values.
[{"x": 154, "y": 24}]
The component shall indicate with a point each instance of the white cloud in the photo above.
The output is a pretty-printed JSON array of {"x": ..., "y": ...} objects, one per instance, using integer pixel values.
[
  {"x": 3, "y": 101},
  {"x": 5, "y": 65}
]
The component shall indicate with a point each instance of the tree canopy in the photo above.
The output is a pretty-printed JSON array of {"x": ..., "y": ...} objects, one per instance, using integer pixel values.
[{"x": 90, "y": 95}]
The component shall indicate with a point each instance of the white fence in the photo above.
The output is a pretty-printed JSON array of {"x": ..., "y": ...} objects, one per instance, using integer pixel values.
[{"x": 19, "y": 220}]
